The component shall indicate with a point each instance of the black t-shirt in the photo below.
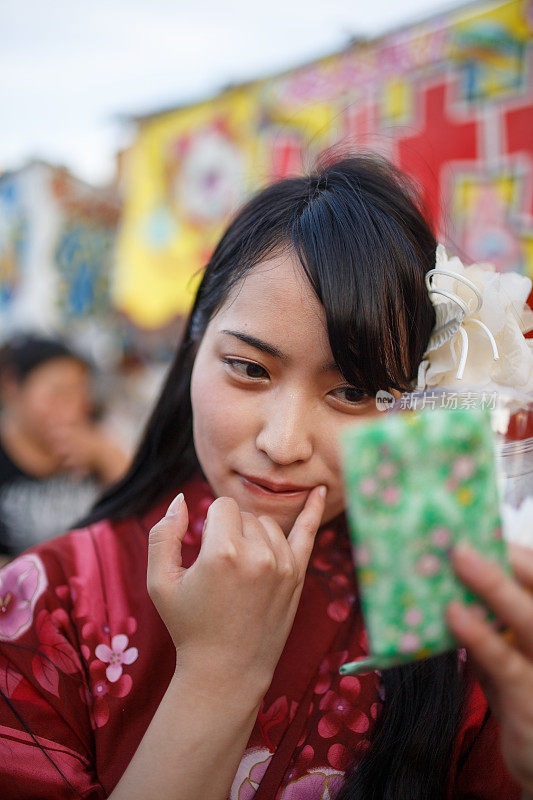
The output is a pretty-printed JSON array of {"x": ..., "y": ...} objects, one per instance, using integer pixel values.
[{"x": 35, "y": 509}]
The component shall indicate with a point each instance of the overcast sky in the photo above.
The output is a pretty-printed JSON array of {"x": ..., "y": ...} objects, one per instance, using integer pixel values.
[{"x": 70, "y": 68}]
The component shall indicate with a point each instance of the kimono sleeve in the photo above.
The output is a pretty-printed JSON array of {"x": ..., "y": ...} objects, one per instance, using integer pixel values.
[
  {"x": 46, "y": 741},
  {"x": 481, "y": 773}
]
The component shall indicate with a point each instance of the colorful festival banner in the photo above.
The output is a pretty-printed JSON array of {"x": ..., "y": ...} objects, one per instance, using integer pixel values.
[
  {"x": 57, "y": 238},
  {"x": 450, "y": 100},
  {"x": 188, "y": 171}
]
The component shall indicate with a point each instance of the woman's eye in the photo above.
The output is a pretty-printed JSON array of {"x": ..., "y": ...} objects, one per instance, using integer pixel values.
[
  {"x": 349, "y": 394},
  {"x": 247, "y": 369}
]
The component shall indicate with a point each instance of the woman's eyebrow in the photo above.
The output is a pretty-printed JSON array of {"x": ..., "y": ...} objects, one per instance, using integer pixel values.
[{"x": 259, "y": 344}]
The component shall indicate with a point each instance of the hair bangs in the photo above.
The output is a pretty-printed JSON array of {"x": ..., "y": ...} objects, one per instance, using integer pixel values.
[{"x": 366, "y": 272}]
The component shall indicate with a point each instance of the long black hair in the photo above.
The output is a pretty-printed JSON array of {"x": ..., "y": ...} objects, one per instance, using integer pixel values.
[{"x": 365, "y": 246}]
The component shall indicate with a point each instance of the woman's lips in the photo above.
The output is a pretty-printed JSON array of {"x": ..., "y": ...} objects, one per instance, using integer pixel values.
[{"x": 266, "y": 488}]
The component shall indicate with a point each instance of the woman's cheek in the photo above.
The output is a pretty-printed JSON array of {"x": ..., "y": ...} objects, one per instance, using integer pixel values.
[{"x": 219, "y": 418}]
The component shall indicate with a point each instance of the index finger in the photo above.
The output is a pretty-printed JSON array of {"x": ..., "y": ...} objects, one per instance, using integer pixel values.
[
  {"x": 223, "y": 524},
  {"x": 302, "y": 536}
]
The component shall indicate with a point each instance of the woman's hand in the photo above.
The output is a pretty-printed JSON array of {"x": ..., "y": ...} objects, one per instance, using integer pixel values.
[
  {"x": 504, "y": 661},
  {"x": 230, "y": 613}
]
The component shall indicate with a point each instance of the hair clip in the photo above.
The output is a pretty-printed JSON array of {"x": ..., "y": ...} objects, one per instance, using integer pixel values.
[{"x": 455, "y": 315}]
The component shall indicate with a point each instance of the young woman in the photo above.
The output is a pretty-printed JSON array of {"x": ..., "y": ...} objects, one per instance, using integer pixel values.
[
  {"x": 54, "y": 460},
  {"x": 222, "y": 680}
]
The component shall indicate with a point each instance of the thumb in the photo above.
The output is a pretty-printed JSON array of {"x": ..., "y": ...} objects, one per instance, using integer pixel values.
[{"x": 164, "y": 546}]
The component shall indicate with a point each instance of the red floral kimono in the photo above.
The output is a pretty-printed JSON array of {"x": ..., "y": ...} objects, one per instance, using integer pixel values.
[{"x": 85, "y": 660}]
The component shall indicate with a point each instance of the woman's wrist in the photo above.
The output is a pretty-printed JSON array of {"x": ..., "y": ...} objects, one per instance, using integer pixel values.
[
  {"x": 215, "y": 686},
  {"x": 194, "y": 743}
]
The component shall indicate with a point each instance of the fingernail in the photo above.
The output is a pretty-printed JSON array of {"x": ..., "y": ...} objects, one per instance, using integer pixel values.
[
  {"x": 322, "y": 491},
  {"x": 175, "y": 505}
]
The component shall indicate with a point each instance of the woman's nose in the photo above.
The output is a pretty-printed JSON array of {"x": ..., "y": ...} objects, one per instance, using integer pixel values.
[{"x": 285, "y": 434}]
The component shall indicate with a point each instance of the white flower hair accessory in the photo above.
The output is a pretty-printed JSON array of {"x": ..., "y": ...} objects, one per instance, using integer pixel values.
[{"x": 478, "y": 339}]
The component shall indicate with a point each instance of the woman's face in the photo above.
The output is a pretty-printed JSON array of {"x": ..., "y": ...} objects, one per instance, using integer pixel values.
[{"x": 268, "y": 400}]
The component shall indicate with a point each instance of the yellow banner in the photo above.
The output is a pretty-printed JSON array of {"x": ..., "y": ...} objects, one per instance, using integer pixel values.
[{"x": 189, "y": 170}]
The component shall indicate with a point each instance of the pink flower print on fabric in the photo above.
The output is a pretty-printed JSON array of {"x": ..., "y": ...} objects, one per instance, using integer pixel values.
[
  {"x": 368, "y": 487},
  {"x": 115, "y": 656},
  {"x": 341, "y": 709},
  {"x": 441, "y": 537},
  {"x": 321, "y": 783},
  {"x": 338, "y": 610},
  {"x": 250, "y": 772},
  {"x": 463, "y": 467},
  {"x": 362, "y": 555},
  {"x": 100, "y": 689},
  {"x": 196, "y": 525},
  {"x": 101, "y": 693},
  {"x": 391, "y": 495},
  {"x": 387, "y": 470},
  {"x": 413, "y": 616},
  {"x": 196, "y": 529},
  {"x": 22, "y": 582},
  {"x": 328, "y": 669},
  {"x": 409, "y": 642},
  {"x": 428, "y": 565},
  {"x": 339, "y": 756}
]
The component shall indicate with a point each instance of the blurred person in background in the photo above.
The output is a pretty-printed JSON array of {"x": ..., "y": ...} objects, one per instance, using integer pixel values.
[{"x": 54, "y": 458}]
